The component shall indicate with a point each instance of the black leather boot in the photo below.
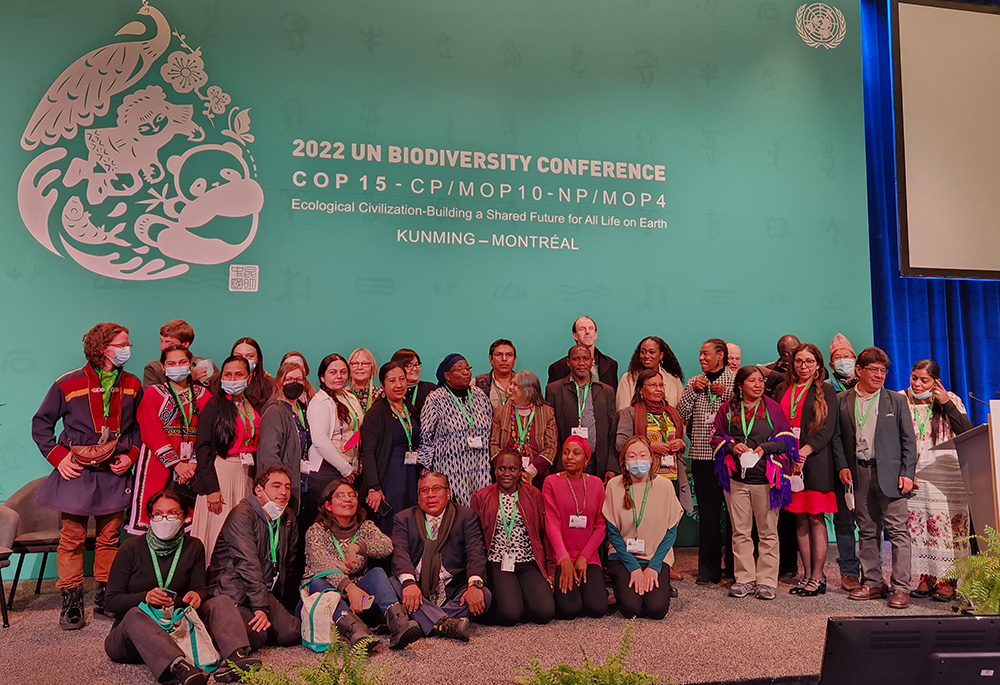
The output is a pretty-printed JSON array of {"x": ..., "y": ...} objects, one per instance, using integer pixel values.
[
  {"x": 402, "y": 629},
  {"x": 185, "y": 673},
  {"x": 100, "y": 592},
  {"x": 354, "y": 630},
  {"x": 455, "y": 628},
  {"x": 72, "y": 617}
]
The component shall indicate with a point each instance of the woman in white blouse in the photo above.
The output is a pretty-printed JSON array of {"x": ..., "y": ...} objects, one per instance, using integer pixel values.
[{"x": 334, "y": 417}]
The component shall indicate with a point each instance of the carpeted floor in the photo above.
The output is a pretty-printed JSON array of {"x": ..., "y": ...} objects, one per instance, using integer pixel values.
[{"x": 706, "y": 637}]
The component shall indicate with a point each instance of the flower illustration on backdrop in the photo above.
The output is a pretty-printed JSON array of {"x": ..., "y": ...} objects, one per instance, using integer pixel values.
[
  {"x": 185, "y": 72},
  {"x": 218, "y": 100}
]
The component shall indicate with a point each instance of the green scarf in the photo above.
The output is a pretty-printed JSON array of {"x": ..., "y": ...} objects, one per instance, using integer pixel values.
[
  {"x": 107, "y": 379},
  {"x": 163, "y": 548}
]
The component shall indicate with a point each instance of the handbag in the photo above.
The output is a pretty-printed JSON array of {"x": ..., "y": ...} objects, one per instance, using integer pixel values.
[
  {"x": 317, "y": 614},
  {"x": 187, "y": 630},
  {"x": 96, "y": 457}
]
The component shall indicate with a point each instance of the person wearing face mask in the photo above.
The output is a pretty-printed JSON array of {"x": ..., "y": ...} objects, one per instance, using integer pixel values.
[
  {"x": 518, "y": 559},
  {"x": 225, "y": 449},
  {"x": 939, "y": 509},
  {"x": 284, "y": 429},
  {"x": 877, "y": 452},
  {"x": 335, "y": 418},
  {"x": 179, "y": 332},
  {"x": 165, "y": 570},
  {"x": 363, "y": 367},
  {"x": 755, "y": 449},
  {"x": 641, "y": 514},
  {"x": 250, "y": 564},
  {"x": 416, "y": 389},
  {"x": 338, "y": 547},
  {"x": 455, "y": 426},
  {"x": 390, "y": 437},
  {"x": 525, "y": 424},
  {"x": 168, "y": 420},
  {"x": 575, "y": 528},
  {"x": 842, "y": 362},
  {"x": 702, "y": 397},
  {"x": 98, "y": 405},
  {"x": 293, "y": 357},
  {"x": 654, "y": 354},
  {"x": 260, "y": 385}
]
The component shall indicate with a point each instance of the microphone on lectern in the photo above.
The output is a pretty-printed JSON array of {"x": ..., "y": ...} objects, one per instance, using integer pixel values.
[{"x": 971, "y": 396}]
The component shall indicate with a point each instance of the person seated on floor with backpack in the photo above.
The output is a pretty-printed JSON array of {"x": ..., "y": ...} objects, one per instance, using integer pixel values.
[
  {"x": 164, "y": 571},
  {"x": 254, "y": 550}
]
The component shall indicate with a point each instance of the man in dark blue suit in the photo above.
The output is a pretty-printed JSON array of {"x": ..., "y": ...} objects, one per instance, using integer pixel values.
[
  {"x": 877, "y": 451},
  {"x": 439, "y": 561}
]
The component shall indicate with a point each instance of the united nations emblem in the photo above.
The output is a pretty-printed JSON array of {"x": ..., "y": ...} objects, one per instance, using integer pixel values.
[
  {"x": 143, "y": 168},
  {"x": 820, "y": 24}
]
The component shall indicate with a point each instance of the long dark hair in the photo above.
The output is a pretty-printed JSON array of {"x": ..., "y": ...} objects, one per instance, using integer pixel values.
[
  {"x": 937, "y": 411},
  {"x": 227, "y": 413},
  {"x": 668, "y": 363},
  {"x": 259, "y": 387},
  {"x": 626, "y": 476},
  {"x": 644, "y": 375},
  {"x": 326, "y": 517},
  {"x": 819, "y": 407},
  {"x": 744, "y": 373},
  {"x": 343, "y": 413}
]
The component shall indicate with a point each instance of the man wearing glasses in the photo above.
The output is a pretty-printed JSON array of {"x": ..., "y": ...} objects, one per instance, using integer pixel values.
[
  {"x": 496, "y": 383},
  {"x": 439, "y": 561},
  {"x": 877, "y": 453}
]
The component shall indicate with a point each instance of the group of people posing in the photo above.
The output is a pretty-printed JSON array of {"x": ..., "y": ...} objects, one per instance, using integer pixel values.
[{"x": 424, "y": 505}]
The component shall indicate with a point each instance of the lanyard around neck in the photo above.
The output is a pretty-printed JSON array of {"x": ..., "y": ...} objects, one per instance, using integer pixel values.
[
  {"x": 581, "y": 404},
  {"x": 508, "y": 525},
  {"x": 180, "y": 407},
  {"x": 796, "y": 401},
  {"x": 173, "y": 565},
  {"x": 466, "y": 413},
  {"x": 862, "y": 420},
  {"x": 274, "y": 533},
  {"x": 522, "y": 431},
  {"x": 922, "y": 426},
  {"x": 753, "y": 418},
  {"x": 576, "y": 503},
  {"x": 638, "y": 520},
  {"x": 340, "y": 550},
  {"x": 407, "y": 423}
]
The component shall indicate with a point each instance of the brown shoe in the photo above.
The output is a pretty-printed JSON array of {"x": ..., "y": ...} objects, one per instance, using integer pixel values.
[
  {"x": 675, "y": 574},
  {"x": 850, "y": 583},
  {"x": 869, "y": 592},
  {"x": 899, "y": 600}
]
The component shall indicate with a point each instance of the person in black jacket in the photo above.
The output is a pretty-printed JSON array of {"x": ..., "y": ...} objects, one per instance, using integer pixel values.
[
  {"x": 251, "y": 559},
  {"x": 603, "y": 367},
  {"x": 390, "y": 436},
  {"x": 811, "y": 407},
  {"x": 444, "y": 540},
  {"x": 416, "y": 389},
  {"x": 137, "y": 638},
  {"x": 585, "y": 408}
]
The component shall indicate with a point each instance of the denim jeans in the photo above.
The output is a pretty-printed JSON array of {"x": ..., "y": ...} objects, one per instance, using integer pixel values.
[{"x": 374, "y": 582}]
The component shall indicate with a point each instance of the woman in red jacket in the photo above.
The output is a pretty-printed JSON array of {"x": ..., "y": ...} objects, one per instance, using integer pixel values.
[{"x": 512, "y": 516}]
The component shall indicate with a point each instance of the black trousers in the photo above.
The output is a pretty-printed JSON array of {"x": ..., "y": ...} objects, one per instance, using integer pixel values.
[
  {"x": 653, "y": 604},
  {"x": 285, "y": 630},
  {"x": 138, "y": 639},
  {"x": 589, "y": 598},
  {"x": 788, "y": 544},
  {"x": 520, "y": 596},
  {"x": 714, "y": 529}
]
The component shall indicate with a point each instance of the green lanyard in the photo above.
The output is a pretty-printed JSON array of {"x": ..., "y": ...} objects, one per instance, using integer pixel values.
[
  {"x": 642, "y": 512},
  {"x": 522, "y": 432},
  {"x": 407, "y": 423},
  {"x": 340, "y": 550},
  {"x": 743, "y": 419},
  {"x": 796, "y": 401},
  {"x": 173, "y": 565},
  {"x": 862, "y": 420},
  {"x": 413, "y": 396},
  {"x": 661, "y": 422},
  {"x": 274, "y": 533},
  {"x": 580, "y": 405},
  {"x": 508, "y": 525},
  {"x": 180, "y": 407},
  {"x": 923, "y": 425},
  {"x": 708, "y": 393},
  {"x": 468, "y": 415}
]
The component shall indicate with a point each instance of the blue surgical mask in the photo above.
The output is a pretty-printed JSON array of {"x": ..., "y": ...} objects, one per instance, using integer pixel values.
[
  {"x": 122, "y": 355},
  {"x": 919, "y": 395},
  {"x": 844, "y": 367},
  {"x": 234, "y": 387},
  {"x": 638, "y": 467},
  {"x": 177, "y": 373}
]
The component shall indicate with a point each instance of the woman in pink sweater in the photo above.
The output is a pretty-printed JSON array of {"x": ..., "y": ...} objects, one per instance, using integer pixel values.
[{"x": 575, "y": 527}]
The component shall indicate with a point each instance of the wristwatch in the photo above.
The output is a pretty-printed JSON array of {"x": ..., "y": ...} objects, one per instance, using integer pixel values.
[{"x": 476, "y": 583}]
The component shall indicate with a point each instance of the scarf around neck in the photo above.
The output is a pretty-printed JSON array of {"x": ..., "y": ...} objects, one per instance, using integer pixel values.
[
  {"x": 163, "y": 548},
  {"x": 430, "y": 560}
]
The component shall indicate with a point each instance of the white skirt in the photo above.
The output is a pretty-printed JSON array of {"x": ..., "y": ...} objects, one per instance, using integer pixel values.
[{"x": 234, "y": 484}]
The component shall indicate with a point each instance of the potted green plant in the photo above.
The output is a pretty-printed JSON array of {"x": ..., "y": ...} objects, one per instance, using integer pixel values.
[{"x": 978, "y": 575}]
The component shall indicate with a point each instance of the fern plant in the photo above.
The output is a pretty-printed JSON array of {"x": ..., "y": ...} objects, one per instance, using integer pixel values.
[
  {"x": 978, "y": 575},
  {"x": 611, "y": 672},
  {"x": 340, "y": 665}
]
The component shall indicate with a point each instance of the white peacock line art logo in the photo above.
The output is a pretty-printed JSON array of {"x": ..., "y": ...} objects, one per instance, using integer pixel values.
[
  {"x": 177, "y": 191},
  {"x": 820, "y": 24}
]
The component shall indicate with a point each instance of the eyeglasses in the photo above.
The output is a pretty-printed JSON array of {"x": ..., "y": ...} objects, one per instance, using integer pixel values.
[
  {"x": 346, "y": 496},
  {"x": 432, "y": 490},
  {"x": 122, "y": 347},
  {"x": 165, "y": 517},
  {"x": 360, "y": 365},
  {"x": 805, "y": 362},
  {"x": 412, "y": 365},
  {"x": 874, "y": 370}
]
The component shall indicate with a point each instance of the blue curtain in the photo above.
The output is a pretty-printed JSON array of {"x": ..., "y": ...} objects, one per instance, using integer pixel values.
[{"x": 954, "y": 322}]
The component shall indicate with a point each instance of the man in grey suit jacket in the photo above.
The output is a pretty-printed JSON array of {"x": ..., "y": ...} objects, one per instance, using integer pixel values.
[{"x": 877, "y": 451}]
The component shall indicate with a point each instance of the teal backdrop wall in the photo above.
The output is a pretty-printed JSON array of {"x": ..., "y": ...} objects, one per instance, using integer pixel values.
[{"x": 205, "y": 181}]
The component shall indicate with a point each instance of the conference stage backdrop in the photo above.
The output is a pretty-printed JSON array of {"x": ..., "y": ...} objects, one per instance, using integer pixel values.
[{"x": 437, "y": 174}]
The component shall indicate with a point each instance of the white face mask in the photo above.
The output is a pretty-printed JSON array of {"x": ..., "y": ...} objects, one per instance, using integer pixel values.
[
  {"x": 234, "y": 387},
  {"x": 166, "y": 530},
  {"x": 920, "y": 395},
  {"x": 844, "y": 367},
  {"x": 122, "y": 355},
  {"x": 272, "y": 509},
  {"x": 177, "y": 373}
]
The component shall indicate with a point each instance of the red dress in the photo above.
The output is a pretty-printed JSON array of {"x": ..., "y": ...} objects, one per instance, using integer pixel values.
[{"x": 806, "y": 501}]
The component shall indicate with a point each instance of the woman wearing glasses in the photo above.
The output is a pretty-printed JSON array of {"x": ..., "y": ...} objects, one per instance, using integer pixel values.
[
  {"x": 810, "y": 405},
  {"x": 362, "y": 366},
  {"x": 416, "y": 389}
]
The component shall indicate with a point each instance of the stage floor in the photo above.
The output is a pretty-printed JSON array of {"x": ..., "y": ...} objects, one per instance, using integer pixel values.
[{"x": 706, "y": 637}]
